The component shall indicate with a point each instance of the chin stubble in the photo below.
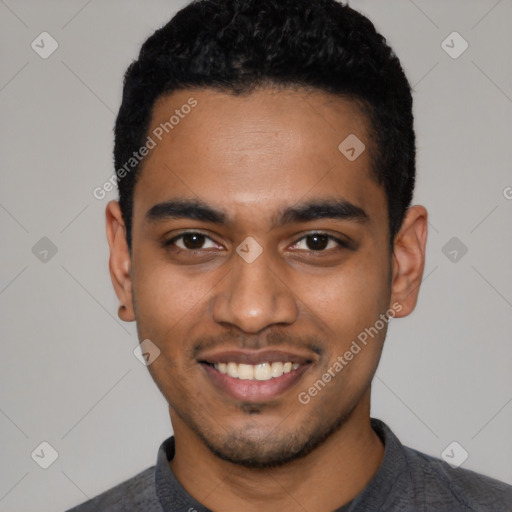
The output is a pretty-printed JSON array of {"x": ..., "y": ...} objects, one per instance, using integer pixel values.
[{"x": 269, "y": 451}]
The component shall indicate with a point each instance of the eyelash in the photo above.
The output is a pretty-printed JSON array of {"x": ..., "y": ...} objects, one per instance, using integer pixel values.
[
  {"x": 341, "y": 243},
  {"x": 171, "y": 242}
]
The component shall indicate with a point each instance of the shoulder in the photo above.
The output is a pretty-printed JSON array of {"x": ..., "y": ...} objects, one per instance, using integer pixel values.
[
  {"x": 136, "y": 493},
  {"x": 442, "y": 485}
]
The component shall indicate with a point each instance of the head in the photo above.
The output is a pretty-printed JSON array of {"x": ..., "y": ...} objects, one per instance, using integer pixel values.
[{"x": 267, "y": 220}]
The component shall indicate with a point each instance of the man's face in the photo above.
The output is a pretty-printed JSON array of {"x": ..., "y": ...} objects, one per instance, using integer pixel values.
[{"x": 261, "y": 280}]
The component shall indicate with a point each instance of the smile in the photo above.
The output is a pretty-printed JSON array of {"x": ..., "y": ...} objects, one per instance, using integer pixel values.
[
  {"x": 262, "y": 371},
  {"x": 255, "y": 376}
]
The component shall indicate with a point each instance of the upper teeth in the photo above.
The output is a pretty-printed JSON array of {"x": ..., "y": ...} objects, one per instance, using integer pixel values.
[{"x": 262, "y": 371}]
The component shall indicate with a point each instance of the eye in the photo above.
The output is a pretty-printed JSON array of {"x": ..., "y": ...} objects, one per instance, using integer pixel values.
[
  {"x": 318, "y": 242},
  {"x": 192, "y": 241}
]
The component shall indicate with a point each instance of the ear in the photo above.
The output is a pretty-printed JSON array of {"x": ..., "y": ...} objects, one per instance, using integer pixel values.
[
  {"x": 120, "y": 260},
  {"x": 409, "y": 259}
]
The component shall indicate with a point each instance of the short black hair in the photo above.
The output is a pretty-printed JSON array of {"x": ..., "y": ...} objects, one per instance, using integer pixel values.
[{"x": 236, "y": 46}]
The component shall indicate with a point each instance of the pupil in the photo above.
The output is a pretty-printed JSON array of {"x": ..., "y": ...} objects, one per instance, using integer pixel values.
[
  {"x": 317, "y": 242},
  {"x": 193, "y": 241}
]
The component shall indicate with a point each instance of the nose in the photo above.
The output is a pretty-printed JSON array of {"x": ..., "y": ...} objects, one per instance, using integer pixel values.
[{"x": 254, "y": 296}]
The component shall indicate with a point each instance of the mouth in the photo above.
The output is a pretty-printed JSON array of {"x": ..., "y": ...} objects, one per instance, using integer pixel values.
[
  {"x": 254, "y": 376},
  {"x": 261, "y": 371}
]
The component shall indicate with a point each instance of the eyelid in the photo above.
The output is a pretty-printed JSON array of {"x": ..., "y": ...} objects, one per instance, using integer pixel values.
[
  {"x": 172, "y": 240},
  {"x": 338, "y": 240}
]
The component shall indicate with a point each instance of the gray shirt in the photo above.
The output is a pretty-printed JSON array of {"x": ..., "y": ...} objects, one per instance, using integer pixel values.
[{"x": 407, "y": 481}]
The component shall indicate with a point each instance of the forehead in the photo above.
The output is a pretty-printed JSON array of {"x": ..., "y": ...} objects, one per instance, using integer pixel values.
[{"x": 263, "y": 150}]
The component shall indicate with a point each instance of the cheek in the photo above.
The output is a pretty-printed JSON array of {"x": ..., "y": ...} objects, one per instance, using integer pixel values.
[
  {"x": 349, "y": 300},
  {"x": 165, "y": 296}
]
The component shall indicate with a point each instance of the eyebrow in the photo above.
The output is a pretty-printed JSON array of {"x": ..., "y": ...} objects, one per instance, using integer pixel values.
[
  {"x": 194, "y": 209},
  {"x": 339, "y": 209},
  {"x": 185, "y": 209}
]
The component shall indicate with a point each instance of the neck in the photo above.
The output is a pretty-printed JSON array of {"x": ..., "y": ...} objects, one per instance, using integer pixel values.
[{"x": 337, "y": 471}]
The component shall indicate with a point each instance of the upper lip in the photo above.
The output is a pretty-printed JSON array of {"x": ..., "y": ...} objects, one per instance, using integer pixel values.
[{"x": 254, "y": 356}]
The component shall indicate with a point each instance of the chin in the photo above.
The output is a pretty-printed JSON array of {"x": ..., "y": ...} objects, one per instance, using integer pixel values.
[
  {"x": 260, "y": 453},
  {"x": 254, "y": 448}
]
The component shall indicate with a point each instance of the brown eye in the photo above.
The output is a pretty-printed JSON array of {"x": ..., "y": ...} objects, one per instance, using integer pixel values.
[
  {"x": 192, "y": 241},
  {"x": 317, "y": 242}
]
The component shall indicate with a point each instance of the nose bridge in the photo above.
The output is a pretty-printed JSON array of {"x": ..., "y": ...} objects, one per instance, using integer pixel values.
[{"x": 253, "y": 297}]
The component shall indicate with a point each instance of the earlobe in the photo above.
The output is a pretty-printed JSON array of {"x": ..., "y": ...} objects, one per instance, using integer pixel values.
[
  {"x": 119, "y": 261},
  {"x": 409, "y": 259}
]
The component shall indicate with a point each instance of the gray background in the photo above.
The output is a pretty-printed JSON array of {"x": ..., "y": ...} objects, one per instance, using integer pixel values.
[{"x": 68, "y": 373}]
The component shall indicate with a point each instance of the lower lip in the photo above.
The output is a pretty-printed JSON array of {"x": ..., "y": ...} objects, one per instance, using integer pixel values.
[{"x": 254, "y": 390}]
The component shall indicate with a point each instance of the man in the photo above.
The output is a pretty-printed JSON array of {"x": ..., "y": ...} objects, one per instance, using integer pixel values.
[{"x": 263, "y": 239}]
